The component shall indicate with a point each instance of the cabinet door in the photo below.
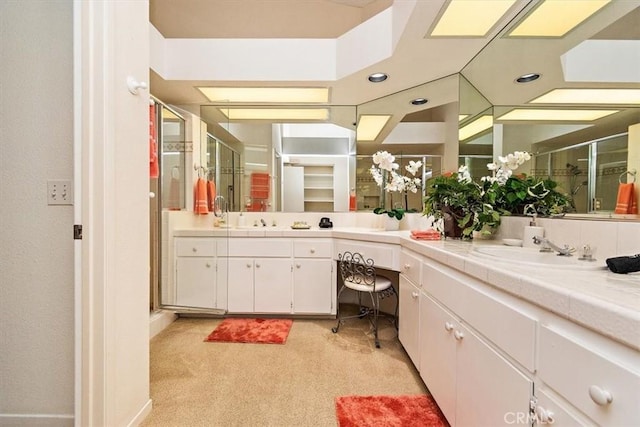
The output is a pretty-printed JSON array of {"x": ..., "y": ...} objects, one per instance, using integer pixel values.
[
  {"x": 240, "y": 285},
  {"x": 409, "y": 319},
  {"x": 312, "y": 286},
  {"x": 549, "y": 411},
  {"x": 272, "y": 285},
  {"x": 438, "y": 355},
  {"x": 196, "y": 282},
  {"x": 489, "y": 388}
]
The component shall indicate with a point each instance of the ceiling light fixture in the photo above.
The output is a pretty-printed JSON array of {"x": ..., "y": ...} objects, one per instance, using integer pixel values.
[
  {"x": 470, "y": 18},
  {"x": 298, "y": 95},
  {"x": 555, "y": 18},
  {"x": 526, "y": 78},
  {"x": 419, "y": 101},
  {"x": 279, "y": 114},
  {"x": 370, "y": 126},
  {"x": 589, "y": 96},
  {"x": 378, "y": 77},
  {"x": 531, "y": 114},
  {"x": 480, "y": 124}
]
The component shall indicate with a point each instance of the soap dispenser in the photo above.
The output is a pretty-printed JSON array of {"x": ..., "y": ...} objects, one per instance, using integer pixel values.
[{"x": 532, "y": 230}]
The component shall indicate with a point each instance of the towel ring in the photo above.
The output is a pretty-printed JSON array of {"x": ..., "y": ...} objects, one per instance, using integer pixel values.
[{"x": 629, "y": 172}]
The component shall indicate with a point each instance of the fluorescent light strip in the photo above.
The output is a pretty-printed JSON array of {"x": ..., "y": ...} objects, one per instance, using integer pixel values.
[
  {"x": 480, "y": 124},
  {"x": 369, "y": 127},
  {"x": 276, "y": 113},
  {"x": 555, "y": 18},
  {"x": 470, "y": 18},
  {"x": 266, "y": 94},
  {"x": 590, "y": 96},
  {"x": 461, "y": 117},
  {"x": 530, "y": 114}
]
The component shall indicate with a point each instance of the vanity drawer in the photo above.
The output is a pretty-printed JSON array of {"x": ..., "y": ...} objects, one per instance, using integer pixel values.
[
  {"x": 584, "y": 377},
  {"x": 316, "y": 248},
  {"x": 384, "y": 255},
  {"x": 261, "y": 247},
  {"x": 195, "y": 246},
  {"x": 410, "y": 266}
]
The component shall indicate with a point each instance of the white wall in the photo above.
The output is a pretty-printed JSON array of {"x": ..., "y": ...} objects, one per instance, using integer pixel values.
[{"x": 36, "y": 248}]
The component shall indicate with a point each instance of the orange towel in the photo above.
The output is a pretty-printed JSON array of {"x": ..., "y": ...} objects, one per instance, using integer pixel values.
[
  {"x": 626, "y": 202},
  {"x": 429, "y": 234},
  {"x": 200, "y": 198},
  {"x": 211, "y": 194}
]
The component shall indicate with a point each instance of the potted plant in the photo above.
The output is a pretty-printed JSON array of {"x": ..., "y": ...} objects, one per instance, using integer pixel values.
[
  {"x": 385, "y": 173},
  {"x": 477, "y": 206}
]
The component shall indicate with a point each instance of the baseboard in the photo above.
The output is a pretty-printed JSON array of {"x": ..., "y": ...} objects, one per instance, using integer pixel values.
[
  {"x": 140, "y": 416},
  {"x": 159, "y": 320},
  {"x": 36, "y": 420}
]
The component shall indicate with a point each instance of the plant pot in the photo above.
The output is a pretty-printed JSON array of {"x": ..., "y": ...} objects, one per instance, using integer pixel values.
[
  {"x": 391, "y": 223},
  {"x": 451, "y": 227}
]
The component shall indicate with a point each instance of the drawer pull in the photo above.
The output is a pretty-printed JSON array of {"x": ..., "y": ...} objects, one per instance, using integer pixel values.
[
  {"x": 600, "y": 396},
  {"x": 407, "y": 266},
  {"x": 414, "y": 295},
  {"x": 459, "y": 335},
  {"x": 544, "y": 415},
  {"x": 448, "y": 326}
]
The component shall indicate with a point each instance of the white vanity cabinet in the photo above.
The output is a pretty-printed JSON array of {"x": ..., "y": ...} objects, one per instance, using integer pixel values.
[
  {"x": 473, "y": 378},
  {"x": 314, "y": 283},
  {"x": 409, "y": 294},
  {"x": 196, "y": 273},
  {"x": 260, "y": 275}
]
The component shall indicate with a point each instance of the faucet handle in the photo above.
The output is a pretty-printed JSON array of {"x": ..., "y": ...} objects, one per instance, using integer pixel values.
[{"x": 587, "y": 253}]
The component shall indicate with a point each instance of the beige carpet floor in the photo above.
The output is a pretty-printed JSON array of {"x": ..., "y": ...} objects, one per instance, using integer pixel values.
[{"x": 196, "y": 383}]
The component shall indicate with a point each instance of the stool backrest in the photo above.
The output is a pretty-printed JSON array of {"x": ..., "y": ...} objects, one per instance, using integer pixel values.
[{"x": 355, "y": 268}]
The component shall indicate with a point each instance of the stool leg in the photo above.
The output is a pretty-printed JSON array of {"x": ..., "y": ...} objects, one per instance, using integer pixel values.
[
  {"x": 338, "y": 319},
  {"x": 375, "y": 301}
]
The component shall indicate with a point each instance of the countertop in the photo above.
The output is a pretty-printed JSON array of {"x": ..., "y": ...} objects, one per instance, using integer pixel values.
[{"x": 603, "y": 301}]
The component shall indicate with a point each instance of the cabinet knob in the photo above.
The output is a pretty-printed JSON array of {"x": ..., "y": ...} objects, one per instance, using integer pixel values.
[
  {"x": 248, "y": 265},
  {"x": 194, "y": 249},
  {"x": 544, "y": 415},
  {"x": 448, "y": 326},
  {"x": 600, "y": 396},
  {"x": 459, "y": 335},
  {"x": 407, "y": 266},
  {"x": 313, "y": 251},
  {"x": 414, "y": 295},
  {"x": 208, "y": 265},
  {"x": 297, "y": 265},
  {"x": 257, "y": 265}
]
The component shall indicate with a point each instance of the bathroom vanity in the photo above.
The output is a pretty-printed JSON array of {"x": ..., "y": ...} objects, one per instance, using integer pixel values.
[{"x": 496, "y": 342}]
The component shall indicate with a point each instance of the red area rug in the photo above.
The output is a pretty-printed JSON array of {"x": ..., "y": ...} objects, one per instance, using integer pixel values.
[
  {"x": 389, "y": 411},
  {"x": 263, "y": 331}
]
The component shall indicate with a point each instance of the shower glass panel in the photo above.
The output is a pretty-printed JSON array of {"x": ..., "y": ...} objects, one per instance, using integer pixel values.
[{"x": 172, "y": 160}]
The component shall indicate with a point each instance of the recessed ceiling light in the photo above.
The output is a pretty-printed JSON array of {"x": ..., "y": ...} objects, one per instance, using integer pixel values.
[
  {"x": 470, "y": 18},
  {"x": 553, "y": 18},
  {"x": 266, "y": 94},
  {"x": 419, "y": 101},
  {"x": 369, "y": 127},
  {"x": 526, "y": 78},
  {"x": 590, "y": 96},
  {"x": 555, "y": 114},
  {"x": 276, "y": 113},
  {"x": 378, "y": 77}
]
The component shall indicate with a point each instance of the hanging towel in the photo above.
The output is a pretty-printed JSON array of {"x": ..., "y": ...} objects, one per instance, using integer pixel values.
[
  {"x": 154, "y": 167},
  {"x": 211, "y": 194},
  {"x": 200, "y": 205},
  {"x": 626, "y": 202}
]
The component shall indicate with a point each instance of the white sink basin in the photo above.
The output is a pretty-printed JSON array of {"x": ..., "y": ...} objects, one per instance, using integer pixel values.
[{"x": 533, "y": 256}]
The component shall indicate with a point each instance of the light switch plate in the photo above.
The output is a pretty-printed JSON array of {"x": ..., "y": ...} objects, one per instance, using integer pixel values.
[{"x": 59, "y": 192}]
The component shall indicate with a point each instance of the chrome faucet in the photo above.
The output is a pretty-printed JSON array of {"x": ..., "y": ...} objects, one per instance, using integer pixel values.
[{"x": 548, "y": 246}]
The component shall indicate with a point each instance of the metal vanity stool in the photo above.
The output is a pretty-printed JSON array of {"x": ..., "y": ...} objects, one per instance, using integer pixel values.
[{"x": 359, "y": 274}]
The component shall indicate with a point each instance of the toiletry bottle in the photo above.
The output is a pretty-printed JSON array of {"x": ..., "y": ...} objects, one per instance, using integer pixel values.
[
  {"x": 352, "y": 200},
  {"x": 532, "y": 230}
]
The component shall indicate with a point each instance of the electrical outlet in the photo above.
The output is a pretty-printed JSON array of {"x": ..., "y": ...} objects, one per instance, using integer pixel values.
[{"x": 59, "y": 192}]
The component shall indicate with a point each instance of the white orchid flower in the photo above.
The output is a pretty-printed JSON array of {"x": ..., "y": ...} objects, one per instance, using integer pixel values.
[{"x": 413, "y": 167}]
